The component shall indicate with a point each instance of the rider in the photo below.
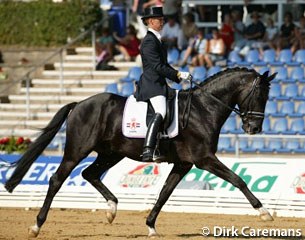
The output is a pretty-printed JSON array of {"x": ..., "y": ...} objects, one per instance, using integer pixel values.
[{"x": 152, "y": 84}]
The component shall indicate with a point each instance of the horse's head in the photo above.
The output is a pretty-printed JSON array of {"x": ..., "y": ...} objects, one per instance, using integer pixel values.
[{"x": 253, "y": 100}]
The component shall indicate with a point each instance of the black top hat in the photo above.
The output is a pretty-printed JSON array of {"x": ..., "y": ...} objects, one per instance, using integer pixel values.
[{"x": 152, "y": 12}]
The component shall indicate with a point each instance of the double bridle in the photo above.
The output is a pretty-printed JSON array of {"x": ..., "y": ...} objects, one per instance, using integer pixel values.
[{"x": 245, "y": 115}]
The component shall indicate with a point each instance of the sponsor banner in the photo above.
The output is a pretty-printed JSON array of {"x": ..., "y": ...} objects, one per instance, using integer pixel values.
[
  {"x": 262, "y": 175},
  {"x": 43, "y": 168},
  {"x": 129, "y": 174}
]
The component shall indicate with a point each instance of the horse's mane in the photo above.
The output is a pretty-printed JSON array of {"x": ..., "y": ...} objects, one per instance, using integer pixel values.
[{"x": 226, "y": 71}]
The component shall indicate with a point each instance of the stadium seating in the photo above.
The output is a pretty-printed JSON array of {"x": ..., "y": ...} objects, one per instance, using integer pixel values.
[
  {"x": 299, "y": 56},
  {"x": 199, "y": 74},
  {"x": 269, "y": 57},
  {"x": 291, "y": 92},
  {"x": 286, "y": 109},
  {"x": 280, "y": 126},
  {"x": 234, "y": 58},
  {"x": 251, "y": 58},
  {"x": 271, "y": 108},
  {"x": 173, "y": 56},
  {"x": 134, "y": 74},
  {"x": 127, "y": 89},
  {"x": 213, "y": 70},
  {"x": 275, "y": 91},
  {"x": 112, "y": 88},
  {"x": 297, "y": 74},
  {"x": 286, "y": 57},
  {"x": 297, "y": 127},
  {"x": 282, "y": 74},
  {"x": 225, "y": 145}
]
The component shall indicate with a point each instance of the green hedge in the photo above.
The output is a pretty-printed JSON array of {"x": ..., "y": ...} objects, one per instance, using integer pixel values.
[{"x": 44, "y": 23}]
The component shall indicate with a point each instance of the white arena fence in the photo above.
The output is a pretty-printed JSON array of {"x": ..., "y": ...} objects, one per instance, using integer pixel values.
[{"x": 278, "y": 182}]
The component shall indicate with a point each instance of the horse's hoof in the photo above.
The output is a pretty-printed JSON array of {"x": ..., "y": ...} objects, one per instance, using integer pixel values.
[
  {"x": 266, "y": 217},
  {"x": 111, "y": 211},
  {"x": 33, "y": 231},
  {"x": 152, "y": 232},
  {"x": 264, "y": 214}
]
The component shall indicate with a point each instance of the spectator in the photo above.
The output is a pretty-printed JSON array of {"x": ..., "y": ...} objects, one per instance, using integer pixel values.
[
  {"x": 188, "y": 31},
  {"x": 269, "y": 40},
  {"x": 226, "y": 32},
  {"x": 299, "y": 40},
  {"x": 238, "y": 26},
  {"x": 253, "y": 34},
  {"x": 129, "y": 45},
  {"x": 286, "y": 33},
  {"x": 172, "y": 8},
  {"x": 153, "y": 3},
  {"x": 104, "y": 46},
  {"x": 216, "y": 49},
  {"x": 196, "y": 50},
  {"x": 170, "y": 32}
]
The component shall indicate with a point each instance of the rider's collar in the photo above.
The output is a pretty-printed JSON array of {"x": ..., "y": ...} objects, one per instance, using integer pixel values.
[{"x": 156, "y": 33}]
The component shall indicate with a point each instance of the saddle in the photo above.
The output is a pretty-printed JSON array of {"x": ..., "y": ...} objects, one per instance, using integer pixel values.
[
  {"x": 170, "y": 111},
  {"x": 137, "y": 116}
]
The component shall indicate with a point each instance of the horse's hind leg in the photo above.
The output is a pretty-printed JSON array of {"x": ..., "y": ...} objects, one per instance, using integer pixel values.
[
  {"x": 214, "y": 166},
  {"x": 56, "y": 181},
  {"x": 93, "y": 174}
]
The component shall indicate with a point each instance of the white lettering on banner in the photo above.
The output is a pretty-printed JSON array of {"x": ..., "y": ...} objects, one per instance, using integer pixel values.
[
  {"x": 48, "y": 171},
  {"x": 34, "y": 172}
]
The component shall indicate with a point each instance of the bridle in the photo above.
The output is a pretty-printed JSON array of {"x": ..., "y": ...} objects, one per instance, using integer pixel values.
[{"x": 245, "y": 115}]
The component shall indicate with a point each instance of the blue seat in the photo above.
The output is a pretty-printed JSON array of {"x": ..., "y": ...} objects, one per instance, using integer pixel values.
[
  {"x": 271, "y": 108},
  {"x": 282, "y": 74},
  {"x": 184, "y": 68},
  {"x": 224, "y": 145},
  {"x": 286, "y": 57},
  {"x": 275, "y": 91},
  {"x": 294, "y": 146},
  {"x": 297, "y": 127},
  {"x": 300, "y": 111},
  {"x": 134, "y": 74},
  {"x": 291, "y": 91},
  {"x": 213, "y": 70},
  {"x": 266, "y": 128},
  {"x": 297, "y": 74},
  {"x": 127, "y": 89},
  {"x": 230, "y": 126},
  {"x": 275, "y": 145},
  {"x": 269, "y": 57},
  {"x": 286, "y": 109},
  {"x": 299, "y": 56},
  {"x": 256, "y": 145},
  {"x": 280, "y": 126},
  {"x": 251, "y": 58},
  {"x": 301, "y": 95},
  {"x": 243, "y": 144},
  {"x": 173, "y": 56},
  {"x": 181, "y": 56},
  {"x": 112, "y": 88},
  {"x": 199, "y": 74},
  {"x": 234, "y": 58}
]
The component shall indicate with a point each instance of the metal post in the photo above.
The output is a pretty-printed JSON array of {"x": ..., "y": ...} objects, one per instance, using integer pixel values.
[
  {"x": 27, "y": 97},
  {"x": 93, "y": 39},
  {"x": 61, "y": 72},
  {"x": 236, "y": 146}
]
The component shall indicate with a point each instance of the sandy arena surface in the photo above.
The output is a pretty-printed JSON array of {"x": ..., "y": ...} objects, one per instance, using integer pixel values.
[{"x": 69, "y": 224}]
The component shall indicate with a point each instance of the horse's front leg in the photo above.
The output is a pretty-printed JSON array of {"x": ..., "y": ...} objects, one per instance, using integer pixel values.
[
  {"x": 212, "y": 164},
  {"x": 177, "y": 173}
]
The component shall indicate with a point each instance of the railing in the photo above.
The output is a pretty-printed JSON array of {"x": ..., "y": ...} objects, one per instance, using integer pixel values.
[{"x": 59, "y": 52}]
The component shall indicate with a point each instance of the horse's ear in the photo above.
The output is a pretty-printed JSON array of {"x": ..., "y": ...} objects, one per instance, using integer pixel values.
[
  {"x": 265, "y": 75},
  {"x": 270, "y": 78}
]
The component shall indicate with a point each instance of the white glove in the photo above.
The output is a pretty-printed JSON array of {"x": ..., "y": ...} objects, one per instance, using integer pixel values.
[{"x": 184, "y": 76}]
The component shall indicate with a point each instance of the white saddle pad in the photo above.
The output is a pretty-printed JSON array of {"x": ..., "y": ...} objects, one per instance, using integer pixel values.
[{"x": 134, "y": 119}]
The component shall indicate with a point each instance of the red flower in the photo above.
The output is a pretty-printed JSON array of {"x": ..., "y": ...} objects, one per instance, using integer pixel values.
[
  {"x": 19, "y": 141},
  {"x": 4, "y": 140}
]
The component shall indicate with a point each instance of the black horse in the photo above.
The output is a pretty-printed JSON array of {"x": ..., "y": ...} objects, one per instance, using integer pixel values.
[{"x": 95, "y": 124}]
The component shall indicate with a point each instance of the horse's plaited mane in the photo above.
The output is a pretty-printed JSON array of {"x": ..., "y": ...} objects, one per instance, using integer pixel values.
[{"x": 226, "y": 71}]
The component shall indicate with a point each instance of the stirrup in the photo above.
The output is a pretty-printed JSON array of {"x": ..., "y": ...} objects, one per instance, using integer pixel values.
[{"x": 158, "y": 157}]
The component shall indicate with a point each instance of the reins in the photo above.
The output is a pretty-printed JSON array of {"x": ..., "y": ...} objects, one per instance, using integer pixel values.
[{"x": 243, "y": 115}]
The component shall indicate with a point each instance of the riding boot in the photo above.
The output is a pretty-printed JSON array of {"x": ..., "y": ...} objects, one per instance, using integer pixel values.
[{"x": 151, "y": 140}]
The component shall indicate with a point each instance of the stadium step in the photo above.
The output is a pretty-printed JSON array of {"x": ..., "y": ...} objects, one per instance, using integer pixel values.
[
  {"x": 65, "y": 91},
  {"x": 45, "y": 99},
  {"x": 85, "y": 74}
]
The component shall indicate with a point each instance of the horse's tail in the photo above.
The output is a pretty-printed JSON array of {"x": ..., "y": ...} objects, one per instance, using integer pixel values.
[{"x": 37, "y": 147}]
